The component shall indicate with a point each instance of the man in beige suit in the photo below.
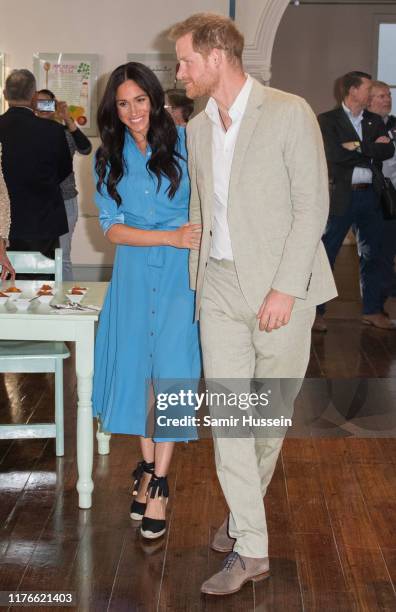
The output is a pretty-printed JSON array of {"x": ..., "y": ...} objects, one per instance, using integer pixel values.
[{"x": 259, "y": 188}]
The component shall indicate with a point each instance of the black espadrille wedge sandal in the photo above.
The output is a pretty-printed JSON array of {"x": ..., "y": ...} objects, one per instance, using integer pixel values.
[
  {"x": 155, "y": 528},
  {"x": 138, "y": 508}
]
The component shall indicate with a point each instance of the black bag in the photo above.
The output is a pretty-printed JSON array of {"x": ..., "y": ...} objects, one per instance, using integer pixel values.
[{"x": 388, "y": 200}]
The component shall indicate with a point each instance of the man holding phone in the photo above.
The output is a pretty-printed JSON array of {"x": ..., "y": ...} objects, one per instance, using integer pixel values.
[
  {"x": 48, "y": 107},
  {"x": 36, "y": 159}
]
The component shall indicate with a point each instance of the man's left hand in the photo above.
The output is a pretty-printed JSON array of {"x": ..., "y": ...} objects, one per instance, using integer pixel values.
[
  {"x": 383, "y": 140},
  {"x": 275, "y": 311}
]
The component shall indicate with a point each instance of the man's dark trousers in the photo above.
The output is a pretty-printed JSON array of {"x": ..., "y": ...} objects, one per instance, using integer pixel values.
[
  {"x": 388, "y": 253},
  {"x": 365, "y": 216}
]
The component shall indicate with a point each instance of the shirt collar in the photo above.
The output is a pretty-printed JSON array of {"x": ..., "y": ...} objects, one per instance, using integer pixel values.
[
  {"x": 12, "y": 107},
  {"x": 237, "y": 108},
  {"x": 354, "y": 118}
]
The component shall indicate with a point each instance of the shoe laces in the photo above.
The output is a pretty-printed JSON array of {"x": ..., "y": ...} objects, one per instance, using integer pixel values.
[{"x": 230, "y": 561}]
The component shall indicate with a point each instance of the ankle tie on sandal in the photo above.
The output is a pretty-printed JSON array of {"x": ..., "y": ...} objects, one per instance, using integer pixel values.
[
  {"x": 158, "y": 487},
  {"x": 141, "y": 468}
]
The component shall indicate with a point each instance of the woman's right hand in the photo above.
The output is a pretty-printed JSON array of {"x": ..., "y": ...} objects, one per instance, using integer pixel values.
[
  {"x": 5, "y": 264},
  {"x": 188, "y": 236}
]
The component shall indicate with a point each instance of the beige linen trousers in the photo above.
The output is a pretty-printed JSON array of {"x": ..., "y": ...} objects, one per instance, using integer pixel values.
[{"x": 277, "y": 210}]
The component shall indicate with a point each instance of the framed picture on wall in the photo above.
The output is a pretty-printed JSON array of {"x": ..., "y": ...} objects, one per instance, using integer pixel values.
[
  {"x": 2, "y": 79},
  {"x": 164, "y": 66},
  {"x": 72, "y": 77}
]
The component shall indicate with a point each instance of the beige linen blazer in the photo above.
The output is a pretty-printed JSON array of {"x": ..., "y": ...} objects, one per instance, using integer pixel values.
[
  {"x": 278, "y": 200},
  {"x": 5, "y": 217}
]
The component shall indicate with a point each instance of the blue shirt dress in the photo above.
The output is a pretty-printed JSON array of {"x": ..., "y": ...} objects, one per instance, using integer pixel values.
[{"x": 146, "y": 329}]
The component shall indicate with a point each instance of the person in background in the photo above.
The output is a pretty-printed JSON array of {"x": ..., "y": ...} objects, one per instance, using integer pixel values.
[
  {"x": 146, "y": 334},
  {"x": 36, "y": 159},
  {"x": 380, "y": 103},
  {"x": 5, "y": 222},
  {"x": 356, "y": 143},
  {"x": 179, "y": 106},
  {"x": 79, "y": 143}
]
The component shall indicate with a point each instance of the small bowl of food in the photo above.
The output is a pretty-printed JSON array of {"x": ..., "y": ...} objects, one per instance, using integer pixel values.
[
  {"x": 13, "y": 293},
  {"x": 44, "y": 289},
  {"x": 22, "y": 304},
  {"x": 75, "y": 296},
  {"x": 45, "y": 297},
  {"x": 77, "y": 290},
  {"x": 3, "y": 298}
]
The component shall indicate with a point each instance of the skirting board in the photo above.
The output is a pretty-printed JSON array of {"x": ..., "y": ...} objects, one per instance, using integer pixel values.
[{"x": 91, "y": 272}]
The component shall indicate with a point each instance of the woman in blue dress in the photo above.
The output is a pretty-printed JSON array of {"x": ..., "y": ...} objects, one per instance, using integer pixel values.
[{"x": 147, "y": 337}]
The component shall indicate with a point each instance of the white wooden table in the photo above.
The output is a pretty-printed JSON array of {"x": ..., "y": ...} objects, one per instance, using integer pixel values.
[{"x": 40, "y": 322}]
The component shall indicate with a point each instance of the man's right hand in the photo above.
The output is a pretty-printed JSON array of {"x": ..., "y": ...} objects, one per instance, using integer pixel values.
[{"x": 352, "y": 145}]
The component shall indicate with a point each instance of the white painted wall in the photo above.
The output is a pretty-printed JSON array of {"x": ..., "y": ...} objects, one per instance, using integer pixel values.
[{"x": 109, "y": 28}]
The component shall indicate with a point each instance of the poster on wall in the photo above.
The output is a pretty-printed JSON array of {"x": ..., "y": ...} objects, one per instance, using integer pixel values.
[
  {"x": 164, "y": 66},
  {"x": 72, "y": 77},
  {"x": 2, "y": 78}
]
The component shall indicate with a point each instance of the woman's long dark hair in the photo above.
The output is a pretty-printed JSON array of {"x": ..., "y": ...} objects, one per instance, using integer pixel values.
[{"x": 162, "y": 134}]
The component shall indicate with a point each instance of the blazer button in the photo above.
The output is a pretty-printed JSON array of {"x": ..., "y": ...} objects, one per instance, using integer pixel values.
[{"x": 210, "y": 233}]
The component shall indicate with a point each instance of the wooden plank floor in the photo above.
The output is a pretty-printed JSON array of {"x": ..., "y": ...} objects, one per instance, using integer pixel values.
[{"x": 331, "y": 505}]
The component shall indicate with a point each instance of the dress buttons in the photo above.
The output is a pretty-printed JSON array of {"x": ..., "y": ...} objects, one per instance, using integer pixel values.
[
  {"x": 146, "y": 192},
  {"x": 153, "y": 312},
  {"x": 154, "y": 289},
  {"x": 151, "y": 333}
]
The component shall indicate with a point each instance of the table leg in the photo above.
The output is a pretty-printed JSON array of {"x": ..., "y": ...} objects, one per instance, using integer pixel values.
[
  {"x": 103, "y": 439},
  {"x": 84, "y": 371}
]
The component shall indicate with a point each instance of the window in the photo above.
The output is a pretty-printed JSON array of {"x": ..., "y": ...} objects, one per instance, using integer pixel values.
[{"x": 386, "y": 70}]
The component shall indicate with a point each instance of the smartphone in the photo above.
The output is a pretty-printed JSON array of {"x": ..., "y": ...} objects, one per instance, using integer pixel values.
[{"x": 46, "y": 106}]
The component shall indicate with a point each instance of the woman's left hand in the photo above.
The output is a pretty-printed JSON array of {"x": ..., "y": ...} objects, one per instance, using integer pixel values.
[{"x": 188, "y": 236}]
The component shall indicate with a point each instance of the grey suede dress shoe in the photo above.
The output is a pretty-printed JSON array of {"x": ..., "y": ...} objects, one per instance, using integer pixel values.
[
  {"x": 222, "y": 542},
  {"x": 379, "y": 320},
  {"x": 237, "y": 570}
]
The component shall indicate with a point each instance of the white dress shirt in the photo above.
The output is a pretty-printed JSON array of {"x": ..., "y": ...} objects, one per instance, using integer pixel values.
[
  {"x": 223, "y": 146},
  {"x": 359, "y": 175}
]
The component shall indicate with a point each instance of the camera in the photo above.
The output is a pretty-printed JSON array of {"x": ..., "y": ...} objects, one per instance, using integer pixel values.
[{"x": 46, "y": 106}]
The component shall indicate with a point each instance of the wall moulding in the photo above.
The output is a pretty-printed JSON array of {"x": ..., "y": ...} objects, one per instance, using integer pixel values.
[{"x": 259, "y": 22}]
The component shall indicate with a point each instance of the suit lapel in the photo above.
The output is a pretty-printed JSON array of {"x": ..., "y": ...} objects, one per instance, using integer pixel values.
[
  {"x": 206, "y": 162},
  {"x": 391, "y": 123},
  {"x": 347, "y": 127},
  {"x": 367, "y": 126},
  {"x": 246, "y": 130}
]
